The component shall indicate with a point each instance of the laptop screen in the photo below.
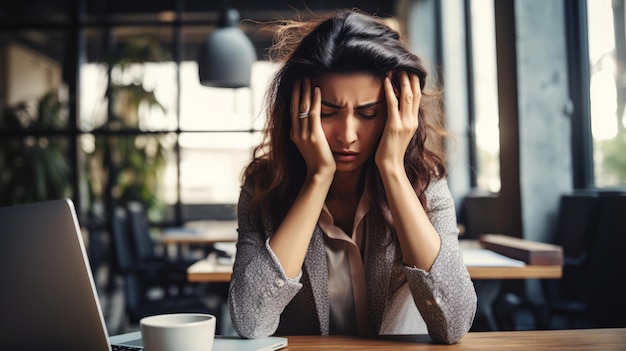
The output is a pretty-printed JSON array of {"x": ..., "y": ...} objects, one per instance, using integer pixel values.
[
  {"x": 48, "y": 299},
  {"x": 47, "y": 294}
]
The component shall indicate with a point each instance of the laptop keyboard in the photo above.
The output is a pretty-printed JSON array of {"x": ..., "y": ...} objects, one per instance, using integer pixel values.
[{"x": 126, "y": 348}]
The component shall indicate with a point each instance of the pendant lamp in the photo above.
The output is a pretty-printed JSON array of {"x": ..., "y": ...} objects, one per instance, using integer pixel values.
[{"x": 226, "y": 56}]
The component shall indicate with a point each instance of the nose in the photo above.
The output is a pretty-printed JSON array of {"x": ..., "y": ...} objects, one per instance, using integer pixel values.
[{"x": 347, "y": 131}]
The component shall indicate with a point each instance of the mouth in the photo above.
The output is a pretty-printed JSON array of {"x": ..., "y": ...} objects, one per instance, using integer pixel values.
[{"x": 345, "y": 156}]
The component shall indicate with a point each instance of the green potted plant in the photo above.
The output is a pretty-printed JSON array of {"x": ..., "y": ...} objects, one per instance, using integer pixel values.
[
  {"x": 128, "y": 166},
  {"x": 33, "y": 162}
]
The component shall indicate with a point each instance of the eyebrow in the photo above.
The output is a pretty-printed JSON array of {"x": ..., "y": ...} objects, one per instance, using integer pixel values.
[{"x": 362, "y": 107}]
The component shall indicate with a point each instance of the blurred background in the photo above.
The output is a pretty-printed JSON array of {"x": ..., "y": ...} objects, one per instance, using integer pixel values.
[{"x": 102, "y": 102}]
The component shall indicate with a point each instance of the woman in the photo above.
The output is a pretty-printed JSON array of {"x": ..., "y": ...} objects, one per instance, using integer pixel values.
[{"x": 346, "y": 223}]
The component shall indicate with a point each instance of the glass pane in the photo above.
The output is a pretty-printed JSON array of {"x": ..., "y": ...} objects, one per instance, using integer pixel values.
[
  {"x": 33, "y": 93},
  {"x": 208, "y": 108},
  {"x": 141, "y": 80},
  {"x": 485, "y": 90},
  {"x": 130, "y": 168},
  {"x": 607, "y": 60},
  {"x": 211, "y": 166},
  {"x": 93, "y": 102},
  {"x": 33, "y": 169},
  {"x": 131, "y": 10},
  {"x": 41, "y": 11}
]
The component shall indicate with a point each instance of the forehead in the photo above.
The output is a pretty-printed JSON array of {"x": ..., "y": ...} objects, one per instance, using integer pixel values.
[{"x": 352, "y": 88}]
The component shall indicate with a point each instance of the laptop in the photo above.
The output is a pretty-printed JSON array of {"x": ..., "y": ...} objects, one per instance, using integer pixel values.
[{"x": 48, "y": 299}]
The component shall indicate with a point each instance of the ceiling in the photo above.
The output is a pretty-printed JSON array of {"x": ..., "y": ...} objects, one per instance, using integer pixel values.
[
  {"x": 41, "y": 23},
  {"x": 251, "y": 9}
]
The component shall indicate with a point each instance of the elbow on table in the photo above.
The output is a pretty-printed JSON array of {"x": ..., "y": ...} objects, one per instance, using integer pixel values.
[
  {"x": 452, "y": 334},
  {"x": 458, "y": 326},
  {"x": 251, "y": 333},
  {"x": 249, "y": 327},
  {"x": 449, "y": 337},
  {"x": 250, "y": 330}
]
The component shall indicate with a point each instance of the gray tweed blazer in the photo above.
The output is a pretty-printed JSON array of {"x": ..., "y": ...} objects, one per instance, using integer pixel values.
[{"x": 263, "y": 301}]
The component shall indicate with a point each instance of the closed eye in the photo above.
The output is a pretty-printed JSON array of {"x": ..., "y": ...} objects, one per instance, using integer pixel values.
[
  {"x": 368, "y": 117},
  {"x": 328, "y": 105},
  {"x": 368, "y": 111},
  {"x": 368, "y": 114}
]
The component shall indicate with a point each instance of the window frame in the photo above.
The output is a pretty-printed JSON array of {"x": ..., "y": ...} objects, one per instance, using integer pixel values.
[
  {"x": 579, "y": 90},
  {"x": 75, "y": 26}
]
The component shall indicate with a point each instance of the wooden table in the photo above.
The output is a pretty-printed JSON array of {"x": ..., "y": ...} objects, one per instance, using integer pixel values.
[
  {"x": 554, "y": 340},
  {"x": 487, "y": 277},
  {"x": 487, "y": 270},
  {"x": 526, "y": 272},
  {"x": 201, "y": 233},
  {"x": 178, "y": 241},
  {"x": 208, "y": 270}
]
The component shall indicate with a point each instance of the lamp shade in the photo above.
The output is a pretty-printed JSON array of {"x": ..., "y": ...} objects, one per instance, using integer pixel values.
[{"x": 226, "y": 56}]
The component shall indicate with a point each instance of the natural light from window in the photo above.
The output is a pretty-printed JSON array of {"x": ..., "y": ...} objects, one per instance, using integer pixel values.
[
  {"x": 218, "y": 127},
  {"x": 486, "y": 127},
  {"x": 607, "y": 61}
]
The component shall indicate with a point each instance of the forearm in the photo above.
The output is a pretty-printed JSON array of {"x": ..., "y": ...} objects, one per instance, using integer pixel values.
[
  {"x": 258, "y": 291},
  {"x": 291, "y": 240},
  {"x": 445, "y": 295},
  {"x": 419, "y": 241}
]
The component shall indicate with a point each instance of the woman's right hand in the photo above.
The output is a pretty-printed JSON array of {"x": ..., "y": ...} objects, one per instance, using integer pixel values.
[
  {"x": 292, "y": 237},
  {"x": 307, "y": 132}
]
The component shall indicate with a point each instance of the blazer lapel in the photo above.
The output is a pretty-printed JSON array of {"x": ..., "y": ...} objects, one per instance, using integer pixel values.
[
  {"x": 317, "y": 269},
  {"x": 378, "y": 268}
]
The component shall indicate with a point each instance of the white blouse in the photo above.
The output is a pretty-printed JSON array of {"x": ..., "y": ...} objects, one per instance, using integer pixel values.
[
  {"x": 346, "y": 278},
  {"x": 347, "y": 292}
]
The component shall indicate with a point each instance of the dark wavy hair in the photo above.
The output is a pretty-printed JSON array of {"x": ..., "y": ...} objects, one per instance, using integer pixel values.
[{"x": 347, "y": 41}]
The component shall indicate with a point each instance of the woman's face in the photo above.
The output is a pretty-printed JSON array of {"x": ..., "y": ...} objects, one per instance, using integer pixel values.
[{"x": 354, "y": 112}]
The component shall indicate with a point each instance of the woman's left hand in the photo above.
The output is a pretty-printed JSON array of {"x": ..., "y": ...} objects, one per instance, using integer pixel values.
[{"x": 402, "y": 121}]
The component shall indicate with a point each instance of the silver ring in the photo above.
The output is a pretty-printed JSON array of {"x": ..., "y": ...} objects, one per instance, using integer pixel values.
[{"x": 302, "y": 115}]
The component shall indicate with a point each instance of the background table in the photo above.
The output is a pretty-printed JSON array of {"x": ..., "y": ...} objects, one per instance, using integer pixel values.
[
  {"x": 553, "y": 340},
  {"x": 489, "y": 270},
  {"x": 209, "y": 270},
  {"x": 487, "y": 277},
  {"x": 201, "y": 233}
]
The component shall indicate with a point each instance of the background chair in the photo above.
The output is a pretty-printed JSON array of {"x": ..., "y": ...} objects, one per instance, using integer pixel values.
[
  {"x": 153, "y": 286},
  {"x": 145, "y": 248},
  {"x": 575, "y": 229},
  {"x": 576, "y": 226},
  {"x": 603, "y": 283}
]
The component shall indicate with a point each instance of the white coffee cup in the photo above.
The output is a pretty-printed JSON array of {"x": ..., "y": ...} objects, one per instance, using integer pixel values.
[{"x": 178, "y": 331}]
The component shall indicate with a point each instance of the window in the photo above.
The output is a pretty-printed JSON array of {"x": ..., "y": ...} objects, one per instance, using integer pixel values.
[
  {"x": 153, "y": 133},
  {"x": 607, "y": 67},
  {"x": 34, "y": 152},
  {"x": 485, "y": 95},
  {"x": 227, "y": 126},
  {"x": 135, "y": 126}
]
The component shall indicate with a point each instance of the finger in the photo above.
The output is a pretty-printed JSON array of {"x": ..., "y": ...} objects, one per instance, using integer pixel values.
[
  {"x": 316, "y": 109},
  {"x": 392, "y": 100},
  {"x": 406, "y": 94},
  {"x": 294, "y": 107},
  {"x": 390, "y": 75},
  {"x": 417, "y": 94},
  {"x": 305, "y": 100},
  {"x": 305, "y": 107}
]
